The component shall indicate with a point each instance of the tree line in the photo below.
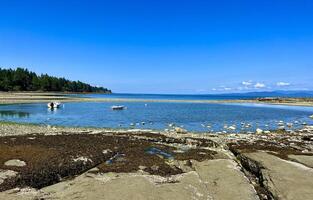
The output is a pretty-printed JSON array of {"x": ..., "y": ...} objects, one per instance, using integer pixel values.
[{"x": 21, "y": 79}]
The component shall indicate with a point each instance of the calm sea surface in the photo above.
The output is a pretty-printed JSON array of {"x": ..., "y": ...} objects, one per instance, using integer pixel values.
[{"x": 196, "y": 117}]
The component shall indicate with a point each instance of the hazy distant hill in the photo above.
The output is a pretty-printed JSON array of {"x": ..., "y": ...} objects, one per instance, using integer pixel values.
[
  {"x": 23, "y": 80},
  {"x": 278, "y": 93}
]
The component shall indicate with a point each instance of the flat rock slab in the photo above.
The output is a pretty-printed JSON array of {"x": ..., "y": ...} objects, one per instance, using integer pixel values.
[
  {"x": 224, "y": 180},
  {"x": 305, "y": 160},
  {"x": 285, "y": 179},
  {"x": 15, "y": 162},
  {"x": 213, "y": 179}
]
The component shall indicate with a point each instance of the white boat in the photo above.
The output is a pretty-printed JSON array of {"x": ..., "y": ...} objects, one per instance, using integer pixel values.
[
  {"x": 118, "y": 107},
  {"x": 53, "y": 105}
]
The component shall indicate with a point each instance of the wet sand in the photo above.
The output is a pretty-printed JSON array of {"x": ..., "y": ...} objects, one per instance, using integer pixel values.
[{"x": 45, "y": 97}]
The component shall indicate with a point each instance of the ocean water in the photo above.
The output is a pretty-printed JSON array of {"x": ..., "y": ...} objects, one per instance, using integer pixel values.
[{"x": 197, "y": 117}]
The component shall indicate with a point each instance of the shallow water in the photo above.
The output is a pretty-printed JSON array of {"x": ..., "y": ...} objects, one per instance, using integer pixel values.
[{"x": 192, "y": 116}]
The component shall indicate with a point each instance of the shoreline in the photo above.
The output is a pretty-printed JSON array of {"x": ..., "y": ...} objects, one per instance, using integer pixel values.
[
  {"x": 64, "y": 162},
  {"x": 58, "y": 163},
  {"x": 45, "y": 97}
]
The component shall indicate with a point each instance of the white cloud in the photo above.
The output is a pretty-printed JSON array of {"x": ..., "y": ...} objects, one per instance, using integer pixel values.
[
  {"x": 259, "y": 85},
  {"x": 282, "y": 84},
  {"x": 227, "y": 88},
  {"x": 224, "y": 88},
  {"x": 246, "y": 83}
]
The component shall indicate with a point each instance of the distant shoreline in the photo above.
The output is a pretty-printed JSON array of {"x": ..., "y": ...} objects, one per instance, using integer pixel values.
[{"x": 44, "y": 97}]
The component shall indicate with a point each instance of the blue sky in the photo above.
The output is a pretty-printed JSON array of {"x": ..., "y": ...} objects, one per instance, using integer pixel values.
[{"x": 163, "y": 46}]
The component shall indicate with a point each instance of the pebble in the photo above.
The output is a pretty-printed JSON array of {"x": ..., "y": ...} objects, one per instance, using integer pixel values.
[
  {"x": 259, "y": 131},
  {"x": 171, "y": 125},
  {"x": 106, "y": 151},
  {"x": 281, "y": 128},
  {"x": 82, "y": 159},
  {"x": 180, "y": 130}
]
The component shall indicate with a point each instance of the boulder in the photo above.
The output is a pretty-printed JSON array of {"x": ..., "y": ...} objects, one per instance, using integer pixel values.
[{"x": 15, "y": 162}]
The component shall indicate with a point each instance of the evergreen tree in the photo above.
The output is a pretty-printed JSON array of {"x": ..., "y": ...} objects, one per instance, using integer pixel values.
[{"x": 23, "y": 80}]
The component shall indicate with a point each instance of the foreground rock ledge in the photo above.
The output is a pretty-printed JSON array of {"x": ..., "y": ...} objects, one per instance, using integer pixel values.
[{"x": 65, "y": 163}]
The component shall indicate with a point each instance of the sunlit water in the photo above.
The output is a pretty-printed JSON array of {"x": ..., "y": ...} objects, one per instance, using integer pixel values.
[{"x": 192, "y": 116}]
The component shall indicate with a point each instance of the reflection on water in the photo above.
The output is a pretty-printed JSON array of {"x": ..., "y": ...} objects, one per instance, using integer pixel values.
[{"x": 13, "y": 114}]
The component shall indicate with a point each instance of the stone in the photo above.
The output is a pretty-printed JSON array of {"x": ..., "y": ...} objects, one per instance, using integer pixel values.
[
  {"x": 4, "y": 174},
  {"x": 259, "y": 131},
  {"x": 281, "y": 128},
  {"x": 180, "y": 130},
  {"x": 106, "y": 151},
  {"x": 15, "y": 162},
  {"x": 83, "y": 159}
]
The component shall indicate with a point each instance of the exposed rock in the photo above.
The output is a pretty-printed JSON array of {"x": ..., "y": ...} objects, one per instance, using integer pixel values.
[
  {"x": 82, "y": 159},
  {"x": 281, "y": 128},
  {"x": 267, "y": 132},
  {"x": 215, "y": 179},
  {"x": 180, "y": 130},
  {"x": 201, "y": 165},
  {"x": 284, "y": 179},
  {"x": 106, "y": 151},
  {"x": 15, "y": 162},
  {"x": 4, "y": 174},
  {"x": 259, "y": 131},
  {"x": 303, "y": 159}
]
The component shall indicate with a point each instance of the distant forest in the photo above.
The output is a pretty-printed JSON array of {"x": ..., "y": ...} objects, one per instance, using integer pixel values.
[{"x": 23, "y": 80}]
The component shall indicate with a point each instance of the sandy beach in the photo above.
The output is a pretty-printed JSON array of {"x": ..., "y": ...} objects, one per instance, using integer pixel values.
[{"x": 45, "y": 97}]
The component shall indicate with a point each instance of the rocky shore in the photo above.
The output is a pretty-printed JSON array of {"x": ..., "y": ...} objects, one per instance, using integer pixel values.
[{"x": 40, "y": 162}]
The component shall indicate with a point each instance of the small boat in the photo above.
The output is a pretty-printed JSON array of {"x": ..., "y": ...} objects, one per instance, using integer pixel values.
[
  {"x": 53, "y": 105},
  {"x": 118, "y": 107}
]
